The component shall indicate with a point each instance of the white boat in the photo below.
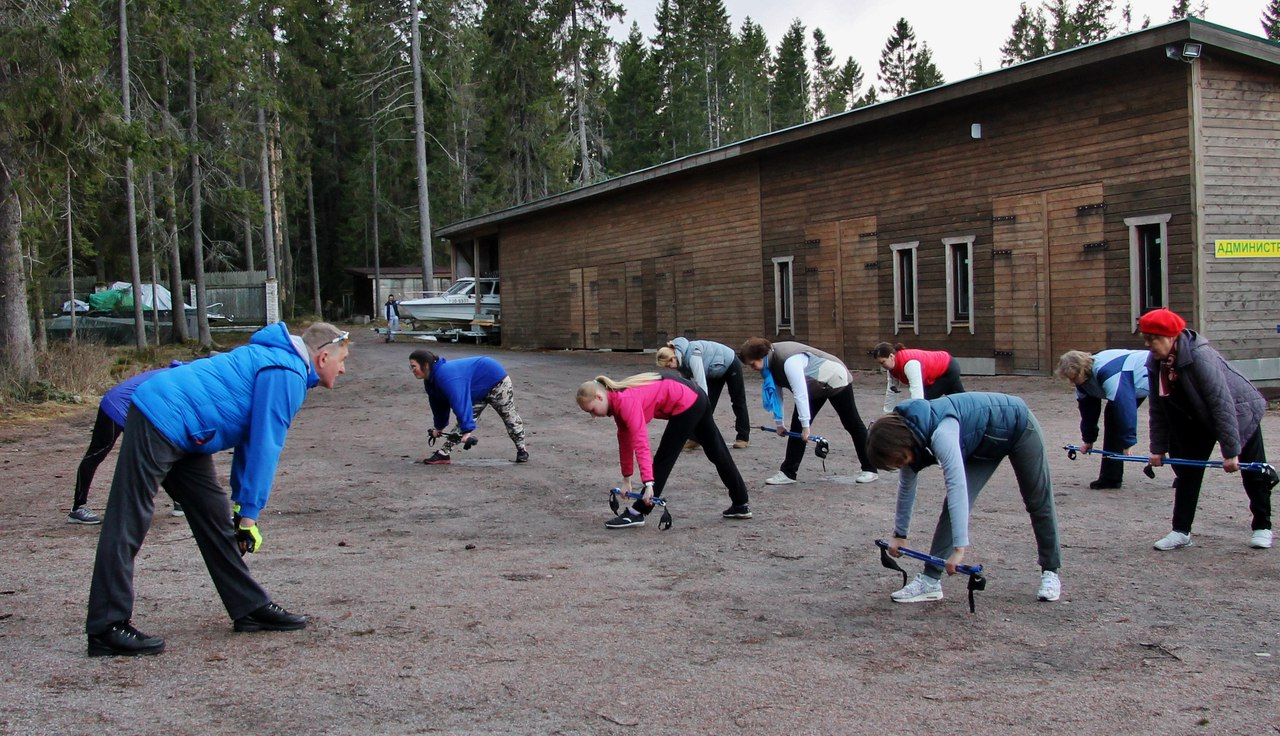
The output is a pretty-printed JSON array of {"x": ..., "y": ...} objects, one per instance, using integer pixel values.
[{"x": 457, "y": 306}]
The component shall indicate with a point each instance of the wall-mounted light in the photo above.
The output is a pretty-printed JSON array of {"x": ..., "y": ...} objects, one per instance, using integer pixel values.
[
  {"x": 975, "y": 131},
  {"x": 1188, "y": 52}
]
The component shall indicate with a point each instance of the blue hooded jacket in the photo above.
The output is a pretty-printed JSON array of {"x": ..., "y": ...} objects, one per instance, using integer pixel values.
[
  {"x": 244, "y": 399},
  {"x": 458, "y": 385}
]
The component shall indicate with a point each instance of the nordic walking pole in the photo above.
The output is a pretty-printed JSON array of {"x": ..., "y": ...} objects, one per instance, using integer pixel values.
[
  {"x": 821, "y": 448},
  {"x": 663, "y": 523},
  {"x": 1266, "y": 468},
  {"x": 976, "y": 580}
]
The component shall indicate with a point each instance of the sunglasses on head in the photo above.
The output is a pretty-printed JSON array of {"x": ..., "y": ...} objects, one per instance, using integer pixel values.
[{"x": 340, "y": 338}]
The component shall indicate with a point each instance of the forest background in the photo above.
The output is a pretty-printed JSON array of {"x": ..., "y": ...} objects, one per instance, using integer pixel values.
[{"x": 301, "y": 137}]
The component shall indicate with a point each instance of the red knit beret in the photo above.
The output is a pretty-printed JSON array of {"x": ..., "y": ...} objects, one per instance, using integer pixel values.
[{"x": 1162, "y": 322}]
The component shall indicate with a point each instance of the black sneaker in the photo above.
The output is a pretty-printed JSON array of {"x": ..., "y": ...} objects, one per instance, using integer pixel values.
[
  {"x": 270, "y": 618},
  {"x": 737, "y": 512},
  {"x": 437, "y": 458},
  {"x": 82, "y": 515},
  {"x": 522, "y": 456},
  {"x": 624, "y": 521},
  {"x": 122, "y": 640},
  {"x": 1100, "y": 485}
]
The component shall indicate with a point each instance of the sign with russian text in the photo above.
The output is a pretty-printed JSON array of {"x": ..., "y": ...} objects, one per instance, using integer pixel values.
[{"x": 1246, "y": 248}]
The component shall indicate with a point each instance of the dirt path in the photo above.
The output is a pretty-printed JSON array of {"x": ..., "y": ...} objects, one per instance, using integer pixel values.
[{"x": 487, "y": 597}]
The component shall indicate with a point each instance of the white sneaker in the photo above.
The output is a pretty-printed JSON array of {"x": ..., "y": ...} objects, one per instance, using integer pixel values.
[
  {"x": 923, "y": 588},
  {"x": 1261, "y": 539},
  {"x": 1050, "y": 586},
  {"x": 779, "y": 479},
  {"x": 1173, "y": 540},
  {"x": 867, "y": 476}
]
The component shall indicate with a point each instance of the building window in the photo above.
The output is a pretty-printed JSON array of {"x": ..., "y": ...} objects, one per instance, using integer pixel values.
[
  {"x": 783, "y": 300},
  {"x": 1148, "y": 264},
  {"x": 959, "y": 282},
  {"x": 906, "y": 316}
]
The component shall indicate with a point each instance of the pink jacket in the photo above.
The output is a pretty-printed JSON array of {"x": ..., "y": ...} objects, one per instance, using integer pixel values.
[{"x": 633, "y": 408}]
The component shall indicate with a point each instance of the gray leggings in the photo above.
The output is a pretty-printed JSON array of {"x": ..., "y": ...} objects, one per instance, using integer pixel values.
[{"x": 1031, "y": 468}]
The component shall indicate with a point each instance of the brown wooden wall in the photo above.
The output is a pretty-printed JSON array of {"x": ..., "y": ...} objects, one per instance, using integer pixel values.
[
  {"x": 635, "y": 270},
  {"x": 1044, "y": 193},
  {"x": 1240, "y": 162},
  {"x": 1045, "y": 152}
]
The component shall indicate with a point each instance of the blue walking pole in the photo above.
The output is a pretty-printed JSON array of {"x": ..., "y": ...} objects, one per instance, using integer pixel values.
[
  {"x": 1266, "y": 468},
  {"x": 663, "y": 523},
  {"x": 976, "y": 580}
]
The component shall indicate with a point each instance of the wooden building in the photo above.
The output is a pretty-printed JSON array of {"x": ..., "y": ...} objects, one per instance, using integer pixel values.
[{"x": 1006, "y": 218}]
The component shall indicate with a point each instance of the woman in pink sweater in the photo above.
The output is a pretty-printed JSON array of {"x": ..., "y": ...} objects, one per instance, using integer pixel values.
[{"x": 633, "y": 403}]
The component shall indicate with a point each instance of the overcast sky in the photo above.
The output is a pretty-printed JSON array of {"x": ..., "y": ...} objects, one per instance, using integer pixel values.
[{"x": 965, "y": 36}]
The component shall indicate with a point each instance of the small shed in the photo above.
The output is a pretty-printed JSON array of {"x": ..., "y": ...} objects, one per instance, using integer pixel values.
[{"x": 364, "y": 298}]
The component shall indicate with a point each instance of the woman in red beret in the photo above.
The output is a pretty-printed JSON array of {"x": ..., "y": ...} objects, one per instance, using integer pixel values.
[{"x": 1198, "y": 399}]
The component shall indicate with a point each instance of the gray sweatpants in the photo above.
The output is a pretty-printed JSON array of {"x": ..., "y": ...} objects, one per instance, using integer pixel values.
[{"x": 1031, "y": 468}]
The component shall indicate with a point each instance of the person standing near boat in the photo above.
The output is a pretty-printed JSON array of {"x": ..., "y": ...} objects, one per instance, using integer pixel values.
[{"x": 392, "y": 309}]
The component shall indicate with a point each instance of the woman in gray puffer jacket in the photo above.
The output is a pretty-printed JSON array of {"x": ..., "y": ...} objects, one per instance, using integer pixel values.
[{"x": 1197, "y": 400}]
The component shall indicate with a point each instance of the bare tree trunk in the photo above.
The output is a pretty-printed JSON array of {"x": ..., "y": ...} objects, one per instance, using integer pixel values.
[
  {"x": 179, "y": 313},
  {"x": 153, "y": 233},
  {"x": 131, "y": 208},
  {"x": 268, "y": 227},
  {"x": 197, "y": 207},
  {"x": 41, "y": 335},
  {"x": 278, "y": 216},
  {"x": 247, "y": 226},
  {"x": 420, "y": 151},
  {"x": 315, "y": 258},
  {"x": 71, "y": 259},
  {"x": 15, "y": 327},
  {"x": 377, "y": 246}
]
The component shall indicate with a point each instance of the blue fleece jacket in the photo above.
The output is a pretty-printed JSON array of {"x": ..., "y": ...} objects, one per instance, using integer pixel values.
[
  {"x": 244, "y": 399},
  {"x": 1119, "y": 376},
  {"x": 458, "y": 385}
]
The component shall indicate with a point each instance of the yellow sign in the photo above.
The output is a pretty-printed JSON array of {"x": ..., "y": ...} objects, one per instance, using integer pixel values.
[{"x": 1246, "y": 248}]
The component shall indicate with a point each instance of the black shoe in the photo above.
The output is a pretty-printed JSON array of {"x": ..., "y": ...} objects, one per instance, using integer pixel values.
[
  {"x": 737, "y": 512},
  {"x": 1101, "y": 485},
  {"x": 122, "y": 640},
  {"x": 522, "y": 456},
  {"x": 625, "y": 520},
  {"x": 270, "y": 618}
]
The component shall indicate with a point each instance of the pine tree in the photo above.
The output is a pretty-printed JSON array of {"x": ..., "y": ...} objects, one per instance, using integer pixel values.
[
  {"x": 924, "y": 73},
  {"x": 1026, "y": 39},
  {"x": 1182, "y": 9},
  {"x": 633, "y": 124},
  {"x": 898, "y": 60},
  {"x": 1061, "y": 32},
  {"x": 790, "y": 88},
  {"x": 749, "y": 82},
  {"x": 581, "y": 30},
  {"x": 1091, "y": 20},
  {"x": 851, "y": 81},
  {"x": 827, "y": 97},
  {"x": 1271, "y": 20}
]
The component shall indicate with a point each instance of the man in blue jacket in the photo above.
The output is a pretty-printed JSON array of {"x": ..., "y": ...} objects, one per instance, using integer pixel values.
[
  {"x": 243, "y": 400},
  {"x": 1120, "y": 378},
  {"x": 465, "y": 387},
  {"x": 967, "y": 435}
]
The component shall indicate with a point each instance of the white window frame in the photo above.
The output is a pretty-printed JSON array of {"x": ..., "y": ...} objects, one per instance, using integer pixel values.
[
  {"x": 1135, "y": 265},
  {"x": 784, "y": 299},
  {"x": 898, "y": 324},
  {"x": 950, "y": 245}
]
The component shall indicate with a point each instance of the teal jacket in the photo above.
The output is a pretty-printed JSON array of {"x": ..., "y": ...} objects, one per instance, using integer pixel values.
[{"x": 243, "y": 399}]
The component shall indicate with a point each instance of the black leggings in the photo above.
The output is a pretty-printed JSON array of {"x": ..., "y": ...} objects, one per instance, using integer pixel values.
[
  {"x": 1189, "y": 477},
  {"x": 695, "y": 423},
  {"x": 946, "y": 384},
  {"x": 105, "y": 434},
  {"x": 842, "y": 402}
]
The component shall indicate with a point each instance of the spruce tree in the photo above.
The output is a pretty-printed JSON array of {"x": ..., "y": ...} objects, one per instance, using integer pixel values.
[
  {"x": 749, "y": 82},
  {"x": 790, "y": 87},
  {"x": 633, "y": 127},
  {"x": 898, "y": 60},
  {"x": 1091, "y": 21},
  {"x": 1271, "y": 20},
  {"x": 1026, "y": 39},
  {"x": 924, "y": 73}
]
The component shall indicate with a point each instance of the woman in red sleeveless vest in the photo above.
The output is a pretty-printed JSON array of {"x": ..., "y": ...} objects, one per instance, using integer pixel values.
[{"x": 927, "y": 374}]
